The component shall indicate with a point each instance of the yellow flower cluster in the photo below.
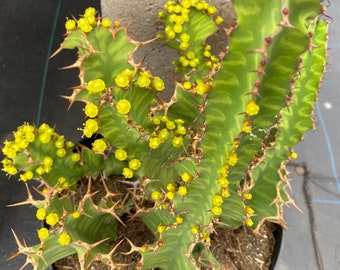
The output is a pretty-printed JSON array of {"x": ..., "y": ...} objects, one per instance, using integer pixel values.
[
  {"x": 24, "y": 135},
  {"x": 162, "y": 197},
  {"x": 16, "y": 151},
  {"x": 171, "y": 193},
  {"x": 133, "y": 165},
  {"x": 176, "y": 15},
  {"x": 166, "y": 129},
  {"x": 223, "y": 184},
  {"x": 146, "y": 80},
  {"x": 52, "y": 219},
  {"x": 179, "y": 14},
  {"x": 124, "y": 78},
  {"x": 87, "y": 22}
]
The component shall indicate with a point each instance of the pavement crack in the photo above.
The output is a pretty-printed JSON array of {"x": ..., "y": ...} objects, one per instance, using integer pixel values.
[{"x": 301, "y": 169}]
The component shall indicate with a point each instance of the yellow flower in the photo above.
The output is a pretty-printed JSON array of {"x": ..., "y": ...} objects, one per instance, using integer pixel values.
[
  {"x": 233, "y": 158},
  {"x": 95, "y": 86},
  {"x": 186, "y": 177},
  {"x": 170, "y": 187},
  {"x": 249, "y": 210},
  {"x": 75, "y": 214},
  {"x": 84, "y": 25},
  {"x": 246, "y": 126},
  {"x": 43, "y": 234},
  {"x": 106, "y": 22},
  {"x": 64, "y": 239},
  {"x": 123, "y": 106},
  {"x": 161, "y": 228},
  {"x": 90, "y": 11},
  {"x": 116, "y": 23},
  {"x": 61, "y": 152},
  {"x": 144, "y": 80},
  {"x": 182, "y": 190},
  {"x": 216, "y": 210},
  {"x": 187, "y": 85},
  {"x": 40, "y": 214},
  {"x": 127, "y": 173},
  {"x": 247, "y": 196},
  {"x": 40, "y": 170},
  {"x": 99, "y": 146},
  {"x": 163, "y": 135},
  {"x": 170, "y": 195},
  {"x": 154, "y": 142},
  {"x": 235, "y": 144},
  {"x": 122, "y": 80},
  {"x": 252, "y": 108},
  {"x": 179, "y": 220},
  {"x": 91, "y": 110},
  {"x": 223, "y": 182},
  {"x": 217, "y": 200},
  {"x": 48, "y": 162},
  {"x": 218, "y": 20},
  {"x": 158, "y": 84},
  {"x": 225, "y": 192},
  {"x": 177, "y": 141},
  {"x": 52, "y": 219},
  {"x": 134, "y": 164},
  {"x": 293, "y": 154},
  {"x": 70, "y": 25},
  {"x": 26, "y": 176},
  {"x": 91, "y": 127},
  {"x": 205, "y": 236},
  {"x": 249, "y": 222},
  {"x": 156, "y": 195},
  {"x": 75, "y": 157},
  {"x": 120, "y": 154},
  {"x": 144, "y": 248},
  {"x": 195, "y": 229}
]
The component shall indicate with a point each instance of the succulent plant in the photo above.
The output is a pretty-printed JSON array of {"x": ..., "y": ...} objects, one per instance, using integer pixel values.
[{"x": 212, "y": 155}]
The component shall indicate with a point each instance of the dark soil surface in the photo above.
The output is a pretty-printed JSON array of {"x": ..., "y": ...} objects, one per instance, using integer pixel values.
[{"x": 240, "y": 249}]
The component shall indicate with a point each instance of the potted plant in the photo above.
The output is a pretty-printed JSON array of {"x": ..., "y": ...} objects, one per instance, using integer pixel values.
[{"x": 212, "y": 156}]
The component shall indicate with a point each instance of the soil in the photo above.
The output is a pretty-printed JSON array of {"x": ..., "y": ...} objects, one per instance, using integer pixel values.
[{"x": 239, "y": 249}]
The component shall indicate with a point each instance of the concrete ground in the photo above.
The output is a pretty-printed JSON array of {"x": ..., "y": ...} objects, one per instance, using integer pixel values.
[{"x": 31, "y": 85}]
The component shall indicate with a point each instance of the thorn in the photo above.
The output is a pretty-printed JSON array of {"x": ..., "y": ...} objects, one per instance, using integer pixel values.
[
  {"x": 108, "y": 257},
  {"x": 89, "y": 247},
  {"x": 133, "y": 247},
  {"x": 29, "y": 200},
  {"x": 57, "y": 51},
  {"x": 76, "y": 64},
  {"x": 20, "y": 246}
]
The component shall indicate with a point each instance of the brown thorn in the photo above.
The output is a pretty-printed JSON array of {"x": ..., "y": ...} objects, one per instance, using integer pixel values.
[
  {"x": 29, "y": 200},
  {"x": 20, "y": 246},
  {"x": 57, "y": 51},
  {"x": 133, "y": 247}
]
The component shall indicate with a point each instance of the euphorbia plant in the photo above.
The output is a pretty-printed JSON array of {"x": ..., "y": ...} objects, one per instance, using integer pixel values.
[{"x": 213, "y": 155}]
